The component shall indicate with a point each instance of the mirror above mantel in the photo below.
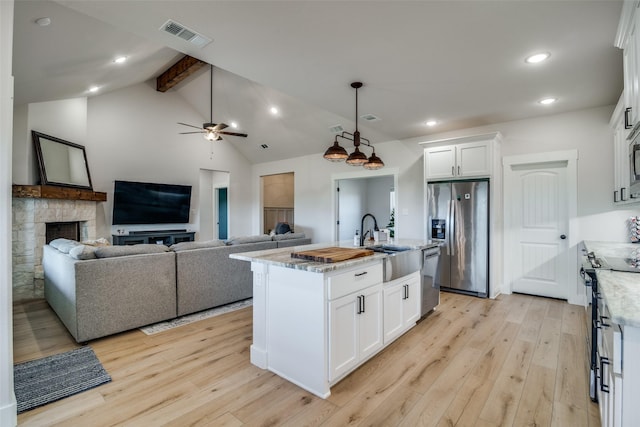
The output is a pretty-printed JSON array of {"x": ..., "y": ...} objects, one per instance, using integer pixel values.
[{"x": 61, "y": 163}]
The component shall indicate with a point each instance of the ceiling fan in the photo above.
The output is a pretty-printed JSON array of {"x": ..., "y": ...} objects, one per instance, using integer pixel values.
[{"x": 212, "y": 131}]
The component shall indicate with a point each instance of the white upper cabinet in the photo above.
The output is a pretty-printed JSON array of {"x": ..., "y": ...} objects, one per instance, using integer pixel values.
[
  {"x": 628, "y": 39},
  {"x": 469, "y": 157}
]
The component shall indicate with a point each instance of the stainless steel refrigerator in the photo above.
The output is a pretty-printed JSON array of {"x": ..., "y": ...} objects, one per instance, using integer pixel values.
[{"x": 458, "y": 218}]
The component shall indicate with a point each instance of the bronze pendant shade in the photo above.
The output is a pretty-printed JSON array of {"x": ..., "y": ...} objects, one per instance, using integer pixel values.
[{"x": 337, "y": 153}]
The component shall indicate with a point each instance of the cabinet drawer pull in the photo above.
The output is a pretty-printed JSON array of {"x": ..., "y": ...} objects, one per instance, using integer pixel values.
[
  {"x": 615, "y": 196},
  {"x": 458, "y": 170},
  {"x": 360, "y": 274},
  {"x": 622, "y": 194},
  {"x": 362, "y": 304},
  {"x": 603, "y": 387},
  {"x": 359, "y": 304},
  {"x": 627, "y": 122},
  {"x": 602, "y": 322},
  {"x": 453, "y": 171}
]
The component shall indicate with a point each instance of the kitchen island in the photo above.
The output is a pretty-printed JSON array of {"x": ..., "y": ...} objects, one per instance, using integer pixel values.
[
  {"x": 315, "y": 322},
  {"x": 618, "y": 343}
]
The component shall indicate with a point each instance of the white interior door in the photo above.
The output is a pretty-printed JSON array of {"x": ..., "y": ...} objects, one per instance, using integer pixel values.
[{"x": 537, "y": 228}]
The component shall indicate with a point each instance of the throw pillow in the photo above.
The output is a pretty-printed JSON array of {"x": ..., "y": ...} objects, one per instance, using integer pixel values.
[
  {"x": 116, "y": 251},
  {"x": 83, "y": 252},
  {"x": 97, "y": 242},
  {"x": 63, "y": 245},
  {"x": 185, "y": 246}
]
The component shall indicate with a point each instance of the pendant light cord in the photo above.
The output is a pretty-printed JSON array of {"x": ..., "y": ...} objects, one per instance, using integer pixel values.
[{"x": 211, "y": 95}]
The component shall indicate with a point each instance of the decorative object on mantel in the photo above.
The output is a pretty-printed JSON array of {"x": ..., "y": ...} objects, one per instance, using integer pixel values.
[
  {"x": 61, "y": 162},
  {"x": 337, "y": 153},
  {"x": 212, "y": 131},
  {"x": 53, "y": 192}
]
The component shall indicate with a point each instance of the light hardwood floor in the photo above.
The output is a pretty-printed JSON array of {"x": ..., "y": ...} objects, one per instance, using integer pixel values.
[{"x": 514, "y": 361}]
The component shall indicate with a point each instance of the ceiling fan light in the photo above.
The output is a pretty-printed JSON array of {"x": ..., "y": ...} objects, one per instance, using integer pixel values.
[
  {"x": 336, "y": 153},
  {"x": 210, "y": 136},
  {"x": 357, "y": 158},
  {"x": 374, "y": 162}
]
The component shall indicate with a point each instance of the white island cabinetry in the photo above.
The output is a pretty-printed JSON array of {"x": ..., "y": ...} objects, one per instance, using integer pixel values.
[
  {"x": 314, "y": 323},
  {"x": 402, "y": 299}
]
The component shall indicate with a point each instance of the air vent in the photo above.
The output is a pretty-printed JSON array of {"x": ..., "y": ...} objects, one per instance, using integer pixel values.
[
  {"x": 337, "y": 129},
  {"x": 370, "y": 118},
  {"x": 176, "y": 29}
]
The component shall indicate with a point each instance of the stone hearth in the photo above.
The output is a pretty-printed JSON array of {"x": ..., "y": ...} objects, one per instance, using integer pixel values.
[{"x": 30, "y": 216}]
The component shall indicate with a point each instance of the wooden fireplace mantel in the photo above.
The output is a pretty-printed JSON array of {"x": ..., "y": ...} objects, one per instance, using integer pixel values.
[{"x": 54, "y": 192}]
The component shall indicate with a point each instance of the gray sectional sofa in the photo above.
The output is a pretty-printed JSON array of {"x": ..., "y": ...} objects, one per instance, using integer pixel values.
[{"x": 99, "y": 291}]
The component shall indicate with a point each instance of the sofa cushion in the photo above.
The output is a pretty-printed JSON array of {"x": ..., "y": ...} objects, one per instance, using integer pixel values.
[
  {"x": 83, "y": 252},
  {"x": 116, "y": 251},
  {"x": 63, "y": 245},
  {"x": 249, "y": 239},
  {"x": 288, "y": 236},
  {"x": 185, "y": 246}
]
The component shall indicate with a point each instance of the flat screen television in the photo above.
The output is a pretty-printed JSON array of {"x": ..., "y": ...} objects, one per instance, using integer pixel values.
[{"x": 149, "y": 203}]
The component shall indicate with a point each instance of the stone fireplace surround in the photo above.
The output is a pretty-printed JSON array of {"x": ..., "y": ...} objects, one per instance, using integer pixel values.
[{"x": 34, "y": 206}]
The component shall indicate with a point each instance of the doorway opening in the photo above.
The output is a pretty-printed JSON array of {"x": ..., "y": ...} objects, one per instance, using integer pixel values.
[
  {"x": 278, "y": 200},
  {"x": 358, "y": 196},
  {"x": 214, "y": 196}
]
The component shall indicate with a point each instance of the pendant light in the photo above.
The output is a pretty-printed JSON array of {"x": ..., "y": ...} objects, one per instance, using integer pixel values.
[{"x": 337, "y": 153}]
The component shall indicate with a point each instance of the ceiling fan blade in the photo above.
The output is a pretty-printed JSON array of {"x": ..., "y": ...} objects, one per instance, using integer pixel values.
[
  {"x": 192, "y": 126},
  {"x": 186, "y": 133},
  {"x": 244, "y": 135}
]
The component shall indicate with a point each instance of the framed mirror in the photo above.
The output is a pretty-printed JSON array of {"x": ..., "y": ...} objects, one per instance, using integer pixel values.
[{"x": 61, "y": 162}]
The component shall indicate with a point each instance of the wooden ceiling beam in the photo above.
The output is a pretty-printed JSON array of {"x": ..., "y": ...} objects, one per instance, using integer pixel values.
[{"x": 178, "y": 72}]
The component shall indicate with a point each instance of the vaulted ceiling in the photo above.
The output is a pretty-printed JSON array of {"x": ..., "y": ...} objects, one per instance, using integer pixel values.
[{"x": 459, "y": 62}]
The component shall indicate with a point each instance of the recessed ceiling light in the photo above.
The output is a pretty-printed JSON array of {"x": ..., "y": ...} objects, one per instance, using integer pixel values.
[
  {"x": 547, "y": 101},
  {"x": 43, "y": 22},
  {"x": 120, "y": 59},
  {"x": 431, "y": 122},
  {"x": 274, "y": 110},
  {"x": 94, "y": 89},
  {"x": 538, "y": 57},
  {"x": 234, "y": 125}
]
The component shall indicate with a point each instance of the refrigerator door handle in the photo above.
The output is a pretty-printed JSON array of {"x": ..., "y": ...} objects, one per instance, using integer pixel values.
[
  {"x": 452, "y": 229},
  {"x": 448, "y": 227}
]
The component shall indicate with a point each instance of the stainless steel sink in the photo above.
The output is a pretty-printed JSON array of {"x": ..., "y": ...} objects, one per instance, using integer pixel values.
[
  {"x": 400, "y": 260},
  {"x": 389, "y": 249}
]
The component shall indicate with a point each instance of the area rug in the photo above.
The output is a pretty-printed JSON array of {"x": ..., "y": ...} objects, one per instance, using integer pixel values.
[
  {"x": 52, "y": 378},
  {"x": 190, "y": 318}
]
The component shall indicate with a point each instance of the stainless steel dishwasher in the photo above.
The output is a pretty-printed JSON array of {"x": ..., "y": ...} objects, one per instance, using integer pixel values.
[{"x": 429, "y": 272}]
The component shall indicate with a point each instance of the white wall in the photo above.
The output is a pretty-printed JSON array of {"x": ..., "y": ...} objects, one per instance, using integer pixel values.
[
  {"x": 7, "y": 396},
  {"x": 65, "y": 119}
]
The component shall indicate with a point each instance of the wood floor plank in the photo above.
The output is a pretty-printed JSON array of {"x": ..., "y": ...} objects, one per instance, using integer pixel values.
[
  {"x": 459, "y": 366},
  {"x": 536, "y": 404}
]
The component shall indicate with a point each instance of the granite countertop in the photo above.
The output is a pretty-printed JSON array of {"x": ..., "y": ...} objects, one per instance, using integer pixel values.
[
  {"x": 620, "y": 290},
  {"x": 282, "y": 257}
]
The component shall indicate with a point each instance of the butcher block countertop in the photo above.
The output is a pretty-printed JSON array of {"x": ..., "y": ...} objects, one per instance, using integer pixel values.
[
  {"x": 282, "y": 257},
  {"x": 621, "y": 290}
]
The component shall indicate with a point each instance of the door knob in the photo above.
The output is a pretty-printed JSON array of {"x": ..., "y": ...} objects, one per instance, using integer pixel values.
[{"x": 562, "y": 236}]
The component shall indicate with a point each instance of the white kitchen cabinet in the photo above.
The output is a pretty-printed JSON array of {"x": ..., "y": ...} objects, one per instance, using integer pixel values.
[
  {"x": 621, "y": 175},
  {"x": 355, "y": 325},
  {"x": 628, "y": 39},
  {"x": 472, "y": 159},
  {"x": 401, "y": 305},
  {"x": 618, "y": 372}
]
